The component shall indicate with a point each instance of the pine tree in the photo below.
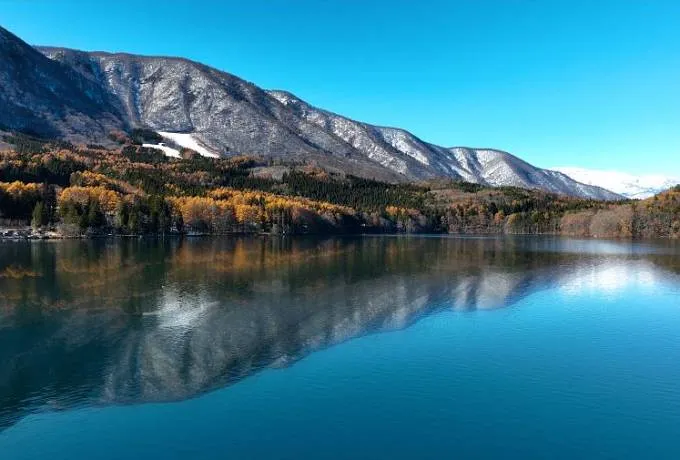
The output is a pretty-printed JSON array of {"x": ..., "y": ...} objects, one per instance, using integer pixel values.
[
  {"x": 95, "y": 216},
  {"x": 122, "y": 217},
  {"x": 49, "y": 197},
  {"x": 39, "y": 215}
]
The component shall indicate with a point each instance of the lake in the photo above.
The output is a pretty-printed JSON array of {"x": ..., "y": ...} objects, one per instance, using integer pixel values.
[{"x": 337, "y": 348}]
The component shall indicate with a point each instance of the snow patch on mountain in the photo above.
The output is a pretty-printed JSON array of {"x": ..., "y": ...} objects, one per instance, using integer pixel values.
[
  {"x": 628, "y": 185},
  {"x": 401, "y": 141},
  {"x": 188, "y": 141},
  {"x": 167, "y": 151}
]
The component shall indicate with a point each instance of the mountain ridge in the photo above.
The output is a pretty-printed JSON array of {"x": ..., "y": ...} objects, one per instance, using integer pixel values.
[{"x": 231, "y": 116}]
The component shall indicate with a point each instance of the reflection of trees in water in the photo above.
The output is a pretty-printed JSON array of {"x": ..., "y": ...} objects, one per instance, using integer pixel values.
[
  {"x": 125, "y": 274},
  {"x": 147, "y": 320}
]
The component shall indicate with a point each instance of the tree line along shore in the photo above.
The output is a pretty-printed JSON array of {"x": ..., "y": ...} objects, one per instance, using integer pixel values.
[{"x": 52, "y": 189}]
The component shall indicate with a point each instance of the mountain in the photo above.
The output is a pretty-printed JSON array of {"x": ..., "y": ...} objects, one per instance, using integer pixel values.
[
  {"x": 402, "y": 151},
  {"x": 81, "y": 95},
  {"x": 46, "y": 97},
  {"x": 223, "y": 113},
  {"x": 628, "y": 185}
]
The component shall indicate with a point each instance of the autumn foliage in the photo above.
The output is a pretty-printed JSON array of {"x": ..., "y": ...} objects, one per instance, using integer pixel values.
[{"x": 136, "y": 190}]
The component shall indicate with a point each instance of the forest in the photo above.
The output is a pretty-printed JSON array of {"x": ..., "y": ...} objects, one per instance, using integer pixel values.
[{"x": 92, "y": 190}]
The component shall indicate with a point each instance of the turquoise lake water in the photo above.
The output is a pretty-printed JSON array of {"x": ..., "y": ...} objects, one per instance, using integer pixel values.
[{"x": 374, "y": 347}]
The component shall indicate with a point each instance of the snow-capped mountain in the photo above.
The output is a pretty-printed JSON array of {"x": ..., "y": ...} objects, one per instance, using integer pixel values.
[
  {"x": 628, "y": 185},
  {"x": 401, "y": 151},
  {"x": 82, "y": 96}
]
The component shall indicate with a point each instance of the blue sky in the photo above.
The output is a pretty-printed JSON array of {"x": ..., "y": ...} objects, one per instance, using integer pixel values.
[{"x": 594, "y": 84}]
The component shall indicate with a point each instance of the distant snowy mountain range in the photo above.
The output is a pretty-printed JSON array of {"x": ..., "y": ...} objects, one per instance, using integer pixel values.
[
  {"x": 84, "y": 96},
  {"x": 628, "y": 185}
]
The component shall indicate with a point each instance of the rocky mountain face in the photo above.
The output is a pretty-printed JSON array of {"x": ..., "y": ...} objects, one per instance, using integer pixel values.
[
  {"x": 401, "y": 151},
  {"x": 226, "y": 114},
  {"x": 83, "y": 95}
]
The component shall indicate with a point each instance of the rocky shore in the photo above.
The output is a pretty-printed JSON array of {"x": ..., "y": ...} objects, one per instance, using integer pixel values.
[{"x": 29, "y": 233}]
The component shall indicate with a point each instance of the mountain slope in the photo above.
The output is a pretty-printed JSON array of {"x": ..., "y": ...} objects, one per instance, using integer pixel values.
[
  {"x": 402, "y": 151},
  {"x": 81, "y": 95},
  {"x": 225, "y": 113},
  {"x": 44, "y": 96}
]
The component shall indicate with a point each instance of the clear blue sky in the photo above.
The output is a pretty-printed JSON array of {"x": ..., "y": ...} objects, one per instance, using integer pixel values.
[{"x": 572, "y": 82}]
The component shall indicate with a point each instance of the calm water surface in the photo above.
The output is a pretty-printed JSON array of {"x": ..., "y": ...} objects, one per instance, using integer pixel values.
[{"x": 376, "y": 347}]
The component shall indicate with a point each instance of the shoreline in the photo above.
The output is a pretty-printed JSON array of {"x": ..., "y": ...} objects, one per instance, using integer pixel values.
[{"x": 30, "y": 234}]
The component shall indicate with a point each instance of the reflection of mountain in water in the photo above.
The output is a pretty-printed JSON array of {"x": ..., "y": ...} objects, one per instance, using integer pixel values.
[{"x": 88, "y": 323}]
